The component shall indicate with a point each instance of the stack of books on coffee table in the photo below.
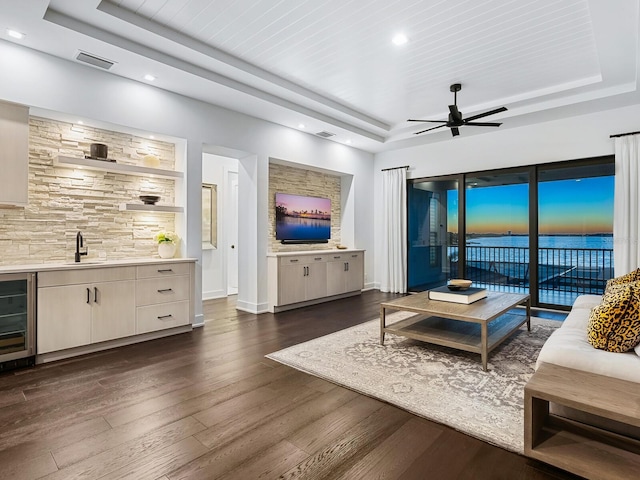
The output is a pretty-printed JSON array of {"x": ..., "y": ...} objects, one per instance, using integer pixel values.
[{"x": 467, "y": 296}]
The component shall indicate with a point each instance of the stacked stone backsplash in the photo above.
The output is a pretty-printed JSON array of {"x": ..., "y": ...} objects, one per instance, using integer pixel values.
[
  {"x": 298, "y": 181},
  {"x": 64, "y": 200}
]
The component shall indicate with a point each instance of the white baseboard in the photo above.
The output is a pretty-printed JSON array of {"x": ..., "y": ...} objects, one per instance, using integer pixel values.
[
  {"x": 213, "y": 294},
  {"x": 256, "y": 308},
  {"x": 370, "y": 286},
  {"x": 198, "y": 320}
]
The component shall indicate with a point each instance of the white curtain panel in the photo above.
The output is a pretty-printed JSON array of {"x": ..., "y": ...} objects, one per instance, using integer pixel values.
[
  {"x": 626, "y": 229},
  {"x": 394, "y": 239}
]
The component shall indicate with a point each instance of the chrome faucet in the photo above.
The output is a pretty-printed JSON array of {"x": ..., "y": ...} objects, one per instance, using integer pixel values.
[{"x": 79, "y": 247}]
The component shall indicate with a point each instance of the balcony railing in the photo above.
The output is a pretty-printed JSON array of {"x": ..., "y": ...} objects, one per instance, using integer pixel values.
[{"x": 563, "y": 273}]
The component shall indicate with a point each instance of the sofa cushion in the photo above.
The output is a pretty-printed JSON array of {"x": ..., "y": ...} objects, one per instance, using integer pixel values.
[
  {"x": 568, "y": 347},
  {"x": 614, "y": 325}
]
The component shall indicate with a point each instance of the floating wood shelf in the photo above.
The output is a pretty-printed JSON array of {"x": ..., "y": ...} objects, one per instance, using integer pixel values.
[
  {"x": 141, "y": 207},
  {"x": 117, "y": 167}
]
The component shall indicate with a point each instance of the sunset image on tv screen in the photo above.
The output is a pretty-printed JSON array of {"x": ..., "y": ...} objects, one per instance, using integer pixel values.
[{"x": 302, "y": 218}]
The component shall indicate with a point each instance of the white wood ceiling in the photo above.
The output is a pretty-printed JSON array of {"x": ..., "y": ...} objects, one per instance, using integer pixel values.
[
  {"x": 498, "y": 49},
  {"x": 331, "y": 65}
]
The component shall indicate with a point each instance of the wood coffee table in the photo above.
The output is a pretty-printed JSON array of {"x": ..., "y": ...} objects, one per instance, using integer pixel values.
[{"x": 455, "y": 325}]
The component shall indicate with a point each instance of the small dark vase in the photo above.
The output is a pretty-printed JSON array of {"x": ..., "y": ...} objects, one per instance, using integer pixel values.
[{"x": 99, "y": 150}]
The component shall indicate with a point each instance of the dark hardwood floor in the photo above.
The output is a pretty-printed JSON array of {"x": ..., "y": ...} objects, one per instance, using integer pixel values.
[{"x": 208, "y": 405}]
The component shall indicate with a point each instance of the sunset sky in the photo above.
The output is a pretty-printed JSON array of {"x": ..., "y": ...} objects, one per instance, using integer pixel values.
[
  {"x": 297, "y": 203},
  {"x": 582, "y": 206}
]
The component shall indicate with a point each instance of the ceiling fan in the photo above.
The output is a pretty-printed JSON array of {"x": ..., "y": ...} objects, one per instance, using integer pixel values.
[{"x": 455, "y": 116}]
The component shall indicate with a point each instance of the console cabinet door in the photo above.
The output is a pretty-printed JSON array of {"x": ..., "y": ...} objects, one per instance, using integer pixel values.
[
  {"x": 354, "y": 275},
  {"x": 64, "y": 317},
  {"x": 291, "y": 284},
  {"x": 113, "y": 310},
  {"x": 335, "y": 276},
  {"x": 316, "y": 281}
]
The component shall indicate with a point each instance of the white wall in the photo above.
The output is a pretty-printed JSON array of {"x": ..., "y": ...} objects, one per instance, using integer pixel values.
[
  {"x": 214, "y": 261},
  {"x": 572, "y": 138},
  {"x": 36, "y": 79}
]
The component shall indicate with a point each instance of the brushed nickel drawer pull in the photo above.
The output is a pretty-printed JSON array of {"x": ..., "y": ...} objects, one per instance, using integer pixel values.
[
  {"x": 294, "y": 260},
  {"x": 165, "y": 290},
  {"x": 318, "y": 258},
  {"x": 162, "y": 317},
  {"x": 337, "y": 256},
  {"x": 165, "y": 270}
]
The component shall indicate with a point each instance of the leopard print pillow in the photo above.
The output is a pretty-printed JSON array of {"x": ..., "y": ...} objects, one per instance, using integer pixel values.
[
  {"x": 614, "y": 325},
  {"x": 629, "y": 277}
]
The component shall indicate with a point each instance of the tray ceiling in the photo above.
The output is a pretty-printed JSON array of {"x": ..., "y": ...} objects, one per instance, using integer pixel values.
[{"x": 331, "y": 64}]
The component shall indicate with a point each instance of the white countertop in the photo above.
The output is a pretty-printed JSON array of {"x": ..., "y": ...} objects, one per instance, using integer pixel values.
[
  {"x": 44, "y": 267},
  {"x": 314, "y": 252}
]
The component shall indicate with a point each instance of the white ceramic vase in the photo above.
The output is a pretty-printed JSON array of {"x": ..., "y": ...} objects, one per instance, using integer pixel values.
[{"x": 166, "y": 249}]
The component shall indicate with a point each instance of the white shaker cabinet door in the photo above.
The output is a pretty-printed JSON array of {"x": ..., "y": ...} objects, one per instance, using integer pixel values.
[
  {"x": 64, "y": 317},
  {"x": 113, "y": 310}
]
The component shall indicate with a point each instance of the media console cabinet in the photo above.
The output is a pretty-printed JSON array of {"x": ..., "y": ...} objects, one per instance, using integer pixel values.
[{"x": 298, "y": 279}]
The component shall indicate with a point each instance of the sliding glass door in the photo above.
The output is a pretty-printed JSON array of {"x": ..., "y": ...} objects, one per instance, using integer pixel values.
[
  {"x": 432, "y": 233},
  {"x": 575, "y": 243},
  {"x": 543, "y": 230},
  {"x": 497, "y": 230}
]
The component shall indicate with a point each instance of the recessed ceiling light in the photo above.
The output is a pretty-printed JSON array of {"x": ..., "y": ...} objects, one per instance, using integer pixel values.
[
  {"x": 399, "y": 39},
  {"x": 301, "y": 125},
  {"x": 348, "y": 141},
  {"x": 15, "y": 34},
  {"x": 151, "y": 137},
  {"x": 149, "y": 78},
  {"x": 80, "y": 122}
]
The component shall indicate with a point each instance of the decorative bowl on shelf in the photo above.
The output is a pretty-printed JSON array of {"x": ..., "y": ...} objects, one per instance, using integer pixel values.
[
  {"x": 458, "y": 284},
  {"x": 149, "y": 199}
]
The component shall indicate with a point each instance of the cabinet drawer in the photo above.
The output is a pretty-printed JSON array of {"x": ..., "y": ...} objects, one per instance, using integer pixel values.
[
  {"x": 159, "y": 317},
  {"x": 303, "y": 259},
  {"x": 162, "y": 270},
  {"x": 85, "y": 275},
  {"x": 150, "y": 291}
]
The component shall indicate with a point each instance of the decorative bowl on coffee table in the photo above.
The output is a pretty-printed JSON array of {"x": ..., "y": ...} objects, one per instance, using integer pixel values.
[{"x": 458, "y": 284}]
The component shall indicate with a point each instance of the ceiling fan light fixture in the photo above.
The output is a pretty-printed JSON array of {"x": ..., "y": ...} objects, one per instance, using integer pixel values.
[{"x": 456, "y": 120}]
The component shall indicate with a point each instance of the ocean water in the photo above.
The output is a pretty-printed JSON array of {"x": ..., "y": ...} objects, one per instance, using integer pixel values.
[
  {"x": 546, "y": 241},
  {"x": 294, "y": 228},
  {"x": 582, "y": 251}
]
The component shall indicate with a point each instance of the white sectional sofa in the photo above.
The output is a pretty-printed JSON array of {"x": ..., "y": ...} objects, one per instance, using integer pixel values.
[{"x": 568, "y": 347}]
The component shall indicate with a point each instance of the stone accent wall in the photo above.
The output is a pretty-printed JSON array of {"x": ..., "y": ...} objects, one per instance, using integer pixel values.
[
  {"x": 64, "y": 200},
  {"x": 298, "y": 181}
]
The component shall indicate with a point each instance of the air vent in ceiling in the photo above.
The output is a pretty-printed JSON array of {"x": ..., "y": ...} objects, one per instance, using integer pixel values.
[
  {"x": 95, "y": 61},
  {"x": 325, "y": 134}
]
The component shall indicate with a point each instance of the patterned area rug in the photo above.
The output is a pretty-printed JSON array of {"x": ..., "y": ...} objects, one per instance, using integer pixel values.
[{"x": 437, "y": 383}]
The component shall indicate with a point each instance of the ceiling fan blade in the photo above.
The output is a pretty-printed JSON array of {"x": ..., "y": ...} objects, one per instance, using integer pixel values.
[
  {"x": 486, "y": 114},
  {"x": 454, "y": 131},
  {"x": 455, "y": 113},
  {"x": 433, "y": 121},
  {"x": 483, "y": 124},
  {"x": 432, "y": 128}
]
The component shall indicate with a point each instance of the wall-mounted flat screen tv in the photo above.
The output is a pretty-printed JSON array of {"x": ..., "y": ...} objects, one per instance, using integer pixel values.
[{"x": 302, "y": 219}]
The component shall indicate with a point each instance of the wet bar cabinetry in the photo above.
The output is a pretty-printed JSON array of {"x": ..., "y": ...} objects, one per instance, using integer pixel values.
[
  {"x": 298, "y": 279},
  {"x": 94, "y": 308},
  {"x": 14, "y": 154}
]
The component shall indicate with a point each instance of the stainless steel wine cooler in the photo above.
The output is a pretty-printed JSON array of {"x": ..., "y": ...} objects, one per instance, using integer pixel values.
[{"x": 17, "y": 320}]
